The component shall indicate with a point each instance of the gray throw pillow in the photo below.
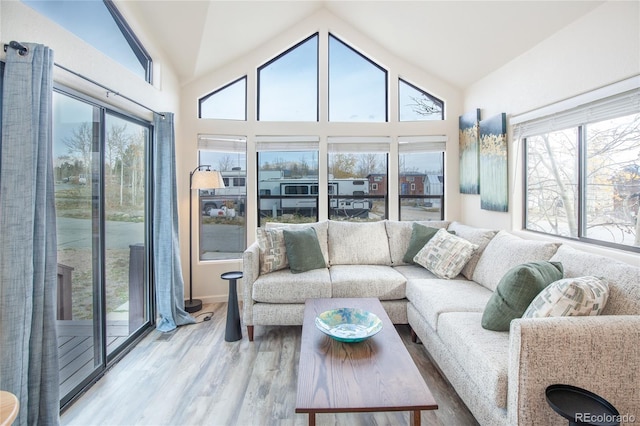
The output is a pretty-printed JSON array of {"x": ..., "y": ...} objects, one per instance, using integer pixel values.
[
  {"x": 303, "y": 250},
  {"x": 420, "y": 236}
]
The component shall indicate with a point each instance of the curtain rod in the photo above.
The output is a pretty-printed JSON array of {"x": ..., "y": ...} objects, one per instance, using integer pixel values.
[{"x": 22, "y": 50}]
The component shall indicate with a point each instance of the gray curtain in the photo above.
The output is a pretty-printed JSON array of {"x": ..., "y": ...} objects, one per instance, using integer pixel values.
[
  {"x": 28, "y": 258},
  {"x": 166, "y": 247}
]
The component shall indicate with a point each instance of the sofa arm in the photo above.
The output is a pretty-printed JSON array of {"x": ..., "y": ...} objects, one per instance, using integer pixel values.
[
  {"x": 599, "y": 353},
  {"x": 250, "y": 273}
]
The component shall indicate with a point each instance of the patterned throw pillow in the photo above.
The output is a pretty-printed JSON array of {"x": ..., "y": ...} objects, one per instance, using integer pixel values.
[
  {"x": 420, "y": 235},
  {"x": 445, "y": 255},
  {"x": 581, "y": 296},
  {"x": 273, "y": 251}
]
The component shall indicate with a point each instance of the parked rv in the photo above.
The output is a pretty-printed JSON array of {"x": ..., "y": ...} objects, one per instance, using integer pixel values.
[{"x": 280, "y": 195}]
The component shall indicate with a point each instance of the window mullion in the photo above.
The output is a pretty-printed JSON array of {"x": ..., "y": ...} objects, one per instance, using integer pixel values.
[{"x": 581, "y": 202}]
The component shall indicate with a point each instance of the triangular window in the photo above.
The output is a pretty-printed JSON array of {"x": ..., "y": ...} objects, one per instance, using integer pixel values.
[
  {"x": 288, "y": 84},
  {"x": 226, "y": 103},
  {"x": 101, "y": 25},
  {"x": 357, "y": 85},
  {"x": 415, "y": 104}
]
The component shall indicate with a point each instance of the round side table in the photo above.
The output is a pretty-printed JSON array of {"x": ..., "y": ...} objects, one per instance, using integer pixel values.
[
  {"x": 233, "y": 331},
  {"x": 581, "y": 407}
]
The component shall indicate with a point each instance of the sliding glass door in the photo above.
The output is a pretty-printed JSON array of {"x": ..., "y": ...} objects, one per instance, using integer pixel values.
[{"x": 100, "y": 166}]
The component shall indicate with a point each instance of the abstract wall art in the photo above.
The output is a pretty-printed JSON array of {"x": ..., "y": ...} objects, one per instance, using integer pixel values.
[
  {"x": 469, "y": 152},
  {"x": 494, "y": 194}
]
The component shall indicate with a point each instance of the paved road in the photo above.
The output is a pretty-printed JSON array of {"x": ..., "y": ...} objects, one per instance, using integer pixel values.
[
  {"x": 76, "y": 233},
  {"x": 222, "y": 238}
]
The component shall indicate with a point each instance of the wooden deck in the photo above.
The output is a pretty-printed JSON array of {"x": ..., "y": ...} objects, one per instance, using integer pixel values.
[{"x": 76, "y": 352}]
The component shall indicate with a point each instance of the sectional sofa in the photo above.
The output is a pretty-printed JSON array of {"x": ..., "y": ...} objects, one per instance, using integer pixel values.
[{"x": 500, "y": 375}]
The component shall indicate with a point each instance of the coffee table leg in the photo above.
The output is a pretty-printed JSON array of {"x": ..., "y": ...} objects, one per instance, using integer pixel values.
[
  {"x": 414, "y": 418},
  {"x": 312, "y": 419}
]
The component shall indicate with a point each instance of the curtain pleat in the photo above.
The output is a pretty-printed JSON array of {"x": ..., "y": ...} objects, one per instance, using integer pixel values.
[
  {"x": 28, "y": 246},
  {"x": 169, "y": 283}
]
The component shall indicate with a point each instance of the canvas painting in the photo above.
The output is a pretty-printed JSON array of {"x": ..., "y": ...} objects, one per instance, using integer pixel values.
[
  {"x": 469, "y": 152},
  {"x": 494, "y": 193}
]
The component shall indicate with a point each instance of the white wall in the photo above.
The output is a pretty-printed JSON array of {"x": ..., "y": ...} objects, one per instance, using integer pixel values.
[
  {"x": 206, "y": 280},
  {"x": 19, "y": 22},
  {"x": 598, "y": 49}
]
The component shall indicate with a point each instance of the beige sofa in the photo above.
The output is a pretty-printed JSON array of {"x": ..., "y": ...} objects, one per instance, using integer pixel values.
[{"x": 501, "y": 376}]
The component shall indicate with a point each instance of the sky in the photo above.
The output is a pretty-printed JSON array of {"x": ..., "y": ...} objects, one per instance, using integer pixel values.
[{"x": 91, "y": 21}]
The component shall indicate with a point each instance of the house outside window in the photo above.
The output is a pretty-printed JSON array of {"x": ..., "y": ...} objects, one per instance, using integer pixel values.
[{"x": 421, "y": 177}]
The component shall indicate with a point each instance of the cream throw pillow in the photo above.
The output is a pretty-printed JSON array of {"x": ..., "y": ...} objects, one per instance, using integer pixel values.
[
  {"x": 581, "y": 296},
  {"x": 273, "y": 251},
  {"x": 445, "y": 255}
]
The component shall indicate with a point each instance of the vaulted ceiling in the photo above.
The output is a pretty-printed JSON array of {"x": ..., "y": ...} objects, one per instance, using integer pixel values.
[{"x": 457, "y": 41}]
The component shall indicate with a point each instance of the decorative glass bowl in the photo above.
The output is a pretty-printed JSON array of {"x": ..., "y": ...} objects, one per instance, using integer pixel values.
[{"x": 348, "y": 324}]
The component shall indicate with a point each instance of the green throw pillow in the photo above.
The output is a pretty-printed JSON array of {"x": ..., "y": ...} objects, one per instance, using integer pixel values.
[
  {"x": 303, "y": 250},
  {"x": 515, "y": 292},
  {"x": 420, "y": 236}
]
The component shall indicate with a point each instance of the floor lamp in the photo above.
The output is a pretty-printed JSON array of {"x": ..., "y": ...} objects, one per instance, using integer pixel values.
[{"x": 198, "y": 179}]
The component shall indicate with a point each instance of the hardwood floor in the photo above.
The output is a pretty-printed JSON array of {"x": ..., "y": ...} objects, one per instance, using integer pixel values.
[{"x": 191, "y": 376}]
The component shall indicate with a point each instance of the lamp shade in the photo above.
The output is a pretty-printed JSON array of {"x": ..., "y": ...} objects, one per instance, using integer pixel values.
[{"x": 206, "y": 179}]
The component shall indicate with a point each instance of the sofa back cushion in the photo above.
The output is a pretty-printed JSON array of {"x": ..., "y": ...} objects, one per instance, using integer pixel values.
[
  {"x": 477, "y": 236},
  {"x": 358, "y": 243},
  {"x": 321, "y": 228},
  {"x": 399, "y": 236},
  {"x": 505, "y": 251},
  {"x": 623, "y": 279}
]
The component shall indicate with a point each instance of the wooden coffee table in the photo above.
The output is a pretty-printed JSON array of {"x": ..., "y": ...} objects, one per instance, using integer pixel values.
[{"x": 377, "y": 374}]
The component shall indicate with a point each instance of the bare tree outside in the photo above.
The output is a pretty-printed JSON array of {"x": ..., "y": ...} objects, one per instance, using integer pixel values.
[
  {"x": 425, "y": 106},
  {"x": 343, "y": 165},
  {"x": 611, "y": 188},
  {"x": 225, "y": 163},
  {"x": 79, "y": 145},
  {"x": 369, "y": 163}
]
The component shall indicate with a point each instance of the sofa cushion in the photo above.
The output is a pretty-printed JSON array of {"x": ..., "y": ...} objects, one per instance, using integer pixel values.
[
  {"x": 445, "y": 254},
  {"x": 358, "y": 243},
  {"x": 581, "y": 296},
  {"x": 284, "y": 287},
  {"x": 415, "y": 271},
  {"x": 505, "y": 251},
  {"x": 482, "y": 354},
  {"x": 273, "y": 252},
  {"x": 322, "y": 230},
  {"x": 377, "y": 281},
  {"x": 432, "y": 297},
  {"x": 515, "y": 292},
  {"x": 303, "y": 250},
  {"x": 623, "y": 279},
  {"x": 399, "y": 235},
  {"x": 478, "y": 236}
]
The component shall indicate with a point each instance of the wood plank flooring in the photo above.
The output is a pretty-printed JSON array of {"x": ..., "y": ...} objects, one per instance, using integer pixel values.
[
  {"x": 191, "y": 376},
  {"x": 76, "y": 351}
]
